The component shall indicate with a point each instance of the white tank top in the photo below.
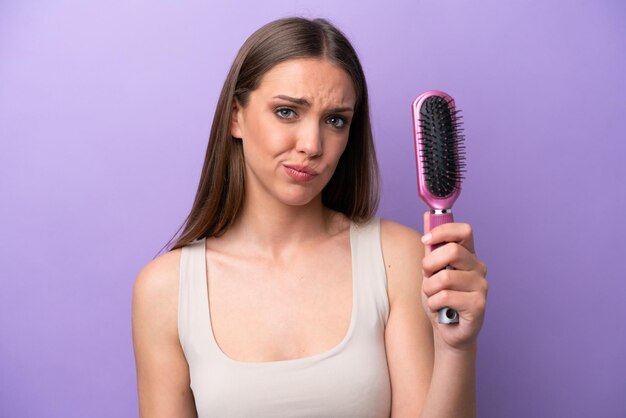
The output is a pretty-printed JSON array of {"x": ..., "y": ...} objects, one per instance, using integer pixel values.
[{"x": 349, "y": 380}]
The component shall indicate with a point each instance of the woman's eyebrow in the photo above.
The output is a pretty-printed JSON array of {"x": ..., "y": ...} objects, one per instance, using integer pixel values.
[
  {"x": 305, "y": 102},
  {"x": 299, "y": 101}
]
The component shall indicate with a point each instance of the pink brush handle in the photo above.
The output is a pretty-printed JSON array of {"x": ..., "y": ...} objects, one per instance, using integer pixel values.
[
  {"x": 439, "y": 219},
  {"x": 446, "y": 315}
]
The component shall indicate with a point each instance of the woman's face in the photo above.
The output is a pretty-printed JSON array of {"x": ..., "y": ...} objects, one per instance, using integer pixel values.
[{"x": 294, "y": 128}]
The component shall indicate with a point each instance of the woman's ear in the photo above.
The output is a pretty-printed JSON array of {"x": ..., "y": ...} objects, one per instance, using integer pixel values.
[{"x": 236, "y": 120}]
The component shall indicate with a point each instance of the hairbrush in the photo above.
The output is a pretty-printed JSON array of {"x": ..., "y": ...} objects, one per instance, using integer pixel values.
[{"x": 439, "y": 154}]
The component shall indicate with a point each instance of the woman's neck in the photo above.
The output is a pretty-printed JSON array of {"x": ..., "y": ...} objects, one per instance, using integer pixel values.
[{"x": 277, "y": 230}]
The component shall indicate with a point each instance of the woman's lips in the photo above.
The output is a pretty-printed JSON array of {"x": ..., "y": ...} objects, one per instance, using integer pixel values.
[{"x": 300, "y": 172}]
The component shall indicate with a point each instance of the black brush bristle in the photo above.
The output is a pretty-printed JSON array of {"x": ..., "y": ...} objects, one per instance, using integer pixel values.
[{"x": 443, "y": 153}]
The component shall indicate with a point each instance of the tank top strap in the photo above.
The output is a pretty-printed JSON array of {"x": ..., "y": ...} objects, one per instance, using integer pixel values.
[
  {"x": 192, "y": 306},
  {"x": 370, "y": 269}
]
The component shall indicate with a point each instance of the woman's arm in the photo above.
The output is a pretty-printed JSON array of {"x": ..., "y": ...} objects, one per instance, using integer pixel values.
[
  {"x": 408, "y": 334},
  {"x": 432, "y": 366},
  {"x": 162, "y": 371}
]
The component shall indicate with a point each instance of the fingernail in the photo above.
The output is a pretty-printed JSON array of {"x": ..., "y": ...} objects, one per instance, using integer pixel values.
[{"x": 426, "y": 238}]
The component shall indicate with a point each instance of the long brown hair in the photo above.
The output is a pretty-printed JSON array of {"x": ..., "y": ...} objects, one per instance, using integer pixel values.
[{"x": 353, "y": 188}]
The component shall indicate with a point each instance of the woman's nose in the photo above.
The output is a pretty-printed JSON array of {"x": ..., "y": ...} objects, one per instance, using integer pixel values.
[{"x": 309, "y": 140}]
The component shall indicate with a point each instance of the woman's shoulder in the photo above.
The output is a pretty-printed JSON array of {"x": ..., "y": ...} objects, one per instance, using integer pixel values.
[
  {"x": 403, "y": 252},
  {"x": 160, "y": 272},
  {"x": 398, "y": 236},
  {"x": 156, "y": 287},
  {"x": 162, "y": 371}
]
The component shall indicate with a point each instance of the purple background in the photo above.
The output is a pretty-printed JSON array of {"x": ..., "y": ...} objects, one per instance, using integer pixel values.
[{"x": 105, "y": 109}]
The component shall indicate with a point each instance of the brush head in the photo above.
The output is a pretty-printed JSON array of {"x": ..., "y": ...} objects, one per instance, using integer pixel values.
[{"x": 439, "y": 149}]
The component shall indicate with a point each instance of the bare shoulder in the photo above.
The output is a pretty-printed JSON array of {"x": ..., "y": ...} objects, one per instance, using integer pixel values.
[
  {"x": 402, "y": 250},
  {"x": 162, "y": 370},
  {"x": 157, "y": 282},
  {"x": 397, "y": 231},
  {"x": 155, "y": 294}
]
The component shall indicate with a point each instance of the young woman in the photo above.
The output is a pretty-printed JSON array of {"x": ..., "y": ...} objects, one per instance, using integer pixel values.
[{"x": 283, "y": 295}]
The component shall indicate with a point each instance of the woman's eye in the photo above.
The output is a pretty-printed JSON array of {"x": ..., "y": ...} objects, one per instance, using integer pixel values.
[
  {"x": 285, "y": 113},
  {"x": 336, "y": 121}
]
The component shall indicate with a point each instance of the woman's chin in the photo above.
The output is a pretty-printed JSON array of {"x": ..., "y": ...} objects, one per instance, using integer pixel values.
[{"x": 300, "y": 199}]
